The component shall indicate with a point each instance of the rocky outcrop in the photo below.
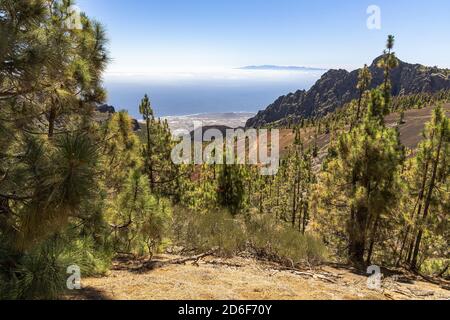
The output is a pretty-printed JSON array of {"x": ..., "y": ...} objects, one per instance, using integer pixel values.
[
  {"x": 103, "y": 113},
  {"x": 104, "y": 108},
  {"x": 338, "y": 87},
  {"x": 136, "y": 125}
]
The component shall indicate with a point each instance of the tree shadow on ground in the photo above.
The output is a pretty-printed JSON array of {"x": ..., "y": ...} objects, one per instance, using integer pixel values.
[{"x": 88, "y": 293}]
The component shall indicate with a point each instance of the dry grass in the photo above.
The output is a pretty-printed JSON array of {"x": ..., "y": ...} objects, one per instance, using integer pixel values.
[{"x": 241, "y": 279}]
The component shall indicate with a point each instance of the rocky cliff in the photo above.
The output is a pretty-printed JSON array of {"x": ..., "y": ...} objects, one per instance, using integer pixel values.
[
  {"x": 338, "y": 87},
  {"x": 103, "y": 113}
]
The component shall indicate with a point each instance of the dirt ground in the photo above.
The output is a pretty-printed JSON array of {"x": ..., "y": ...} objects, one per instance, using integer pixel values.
[{"x": 243, "y": 278}]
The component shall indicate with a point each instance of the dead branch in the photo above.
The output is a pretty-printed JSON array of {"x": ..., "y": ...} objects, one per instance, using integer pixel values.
[
  {"x": 152, "y": 265},
  {"x": 193, "y": 258}
]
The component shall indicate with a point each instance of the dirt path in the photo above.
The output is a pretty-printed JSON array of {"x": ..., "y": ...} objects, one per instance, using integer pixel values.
[{"x": 245, "y": 278}]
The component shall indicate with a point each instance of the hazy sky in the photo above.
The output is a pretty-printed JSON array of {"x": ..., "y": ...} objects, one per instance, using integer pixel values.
[{"x": 208, "y": 35}]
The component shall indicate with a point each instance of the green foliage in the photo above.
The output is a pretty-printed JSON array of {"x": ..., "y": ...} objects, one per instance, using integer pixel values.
[
  {"x": 164, "y": 176},
  {"x": 427, "y": 201},
  {"x": 388, "y": 62},
  {"x": 74, "y": 191},
  {"x": 360, "y": 183},
  {"x": 42, "y": 272},
  {"x": 280, "y": 242},
  {"x": 231, "y": 188},
  {"x": 138, "y": 219},
  {"x": 199, "y": 188},
  {"x": 205, "y": 231},
  {"x": 63, "y": 175},
  {"x": 120, "y": 151},
  {"x": 436, "y": 267},
  {"x": 265, "y": 235}
]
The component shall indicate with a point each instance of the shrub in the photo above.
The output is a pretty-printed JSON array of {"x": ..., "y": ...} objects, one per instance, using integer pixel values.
[
  {"x": 205, "y": 231},
  {"x": 433, "y": 267},
  {"x": 281, "y": 242},
  {"x": 268, "y": 237}
]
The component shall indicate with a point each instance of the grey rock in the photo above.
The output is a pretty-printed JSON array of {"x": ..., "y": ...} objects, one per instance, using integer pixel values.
[{"x": 338, "y": 87}]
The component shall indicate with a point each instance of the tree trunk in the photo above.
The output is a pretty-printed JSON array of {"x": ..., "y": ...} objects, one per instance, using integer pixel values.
[
  {"x": 294, "y": 203},
  {"x": 149, "y": 157},
  {"x": 405, "y": 238},
  {"x": 6, "y": 219},
  {"x": 305, "y": 217},
  {"x": 51, "y": 122},
  {"x": 386, "y": 78},
  {"x": 372, "y": 240},
  {"x": 427, "y": 205},
  {"x": 419, "y": 210},
  {"x": 358, "y": 112},
  {"x": 357, "y": 239}
]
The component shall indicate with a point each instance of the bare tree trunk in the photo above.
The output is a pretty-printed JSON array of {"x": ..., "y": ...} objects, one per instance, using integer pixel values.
[
  {"x": 419, "y": 210},
  {"x": 358, "y": 112},
  {"x": 372, "y": 240},
  {"x": 294, "y": 203},
  {"x": 305, "y": 217},
  {"x": 357, "y": 239},
  {"x": 51, "y": 121},
  {"x": 400, "y": 255},
  {"x": 427, "y": 205}
]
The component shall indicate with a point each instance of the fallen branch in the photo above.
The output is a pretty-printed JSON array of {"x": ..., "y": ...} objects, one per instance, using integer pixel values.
[
  {"x": 397, "y": 290},
  {"x": 315, "y": 276},
  {"x": 152, "y": 265},
  {"x": 226, "y": 264},
  {"x": 324, "y": 276},
  {"x": 194, "y": 258}
]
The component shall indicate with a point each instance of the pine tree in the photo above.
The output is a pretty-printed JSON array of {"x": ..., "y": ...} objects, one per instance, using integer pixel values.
[
  {"x": 388, "y": 62},
  {"x": 146, "y": 111},
  {"x": 50, "y": 81},
  {"x": 138, "y": 220},
  {"x": 120, "y": 150},
  {"x": 360, "y": 181},
  {"x": 364, "y": 80},
  {"x": 231, "y": 189},
  {"x": 433, "y": 172}
]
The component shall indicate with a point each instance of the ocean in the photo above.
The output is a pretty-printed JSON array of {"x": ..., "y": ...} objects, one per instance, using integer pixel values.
[{"x": 234, "y": 92}]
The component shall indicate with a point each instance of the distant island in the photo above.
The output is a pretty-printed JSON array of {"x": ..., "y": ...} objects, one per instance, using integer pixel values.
[{"x": 280, "y": 68}]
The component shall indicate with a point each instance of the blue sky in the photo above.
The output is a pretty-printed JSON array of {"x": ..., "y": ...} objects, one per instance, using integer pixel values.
[{"x": 149, "y": 35}]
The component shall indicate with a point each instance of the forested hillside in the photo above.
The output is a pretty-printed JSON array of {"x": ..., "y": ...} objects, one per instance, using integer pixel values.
[{"x": 76, "y": 191}]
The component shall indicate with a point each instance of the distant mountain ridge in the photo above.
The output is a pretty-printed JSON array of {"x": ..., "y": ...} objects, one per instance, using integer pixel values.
[
  {"x": 338, "y": 87},
  {"x": 281, "y": 68}
]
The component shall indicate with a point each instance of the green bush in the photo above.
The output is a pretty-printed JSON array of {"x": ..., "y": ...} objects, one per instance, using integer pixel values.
[
  {"x": 204, "y": 231},
  {"x": 268, "y": 237},
  {"x": 433, "y": 267},
  {"x": 278, "y": 241}
]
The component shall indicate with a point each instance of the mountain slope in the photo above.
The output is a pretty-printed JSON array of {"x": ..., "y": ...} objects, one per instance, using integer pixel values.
[{"x": 338, "y": 87}]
